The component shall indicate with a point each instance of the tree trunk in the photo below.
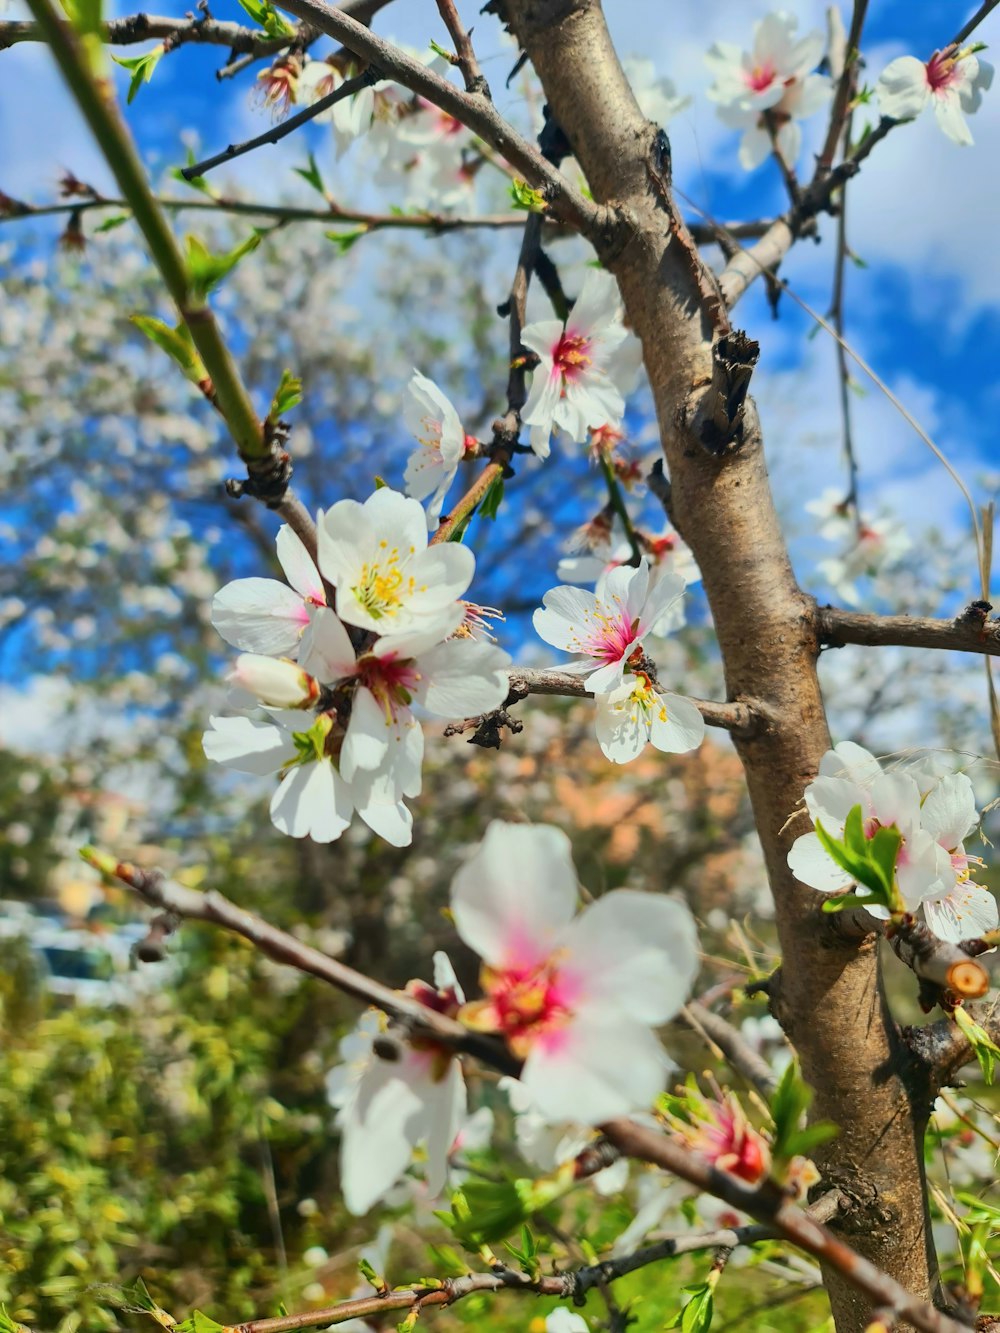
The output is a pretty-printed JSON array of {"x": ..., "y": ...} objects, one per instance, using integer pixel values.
[{"x": 828, "y": 994}]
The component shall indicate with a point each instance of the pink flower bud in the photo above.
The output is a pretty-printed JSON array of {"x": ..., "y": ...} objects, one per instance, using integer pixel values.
[{"x": 275, "y": 681}]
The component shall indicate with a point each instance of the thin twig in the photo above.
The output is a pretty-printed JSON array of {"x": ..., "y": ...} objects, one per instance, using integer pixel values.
[
  {"x": 278, "y": 132},
  {"x": 735, "y": 1048},
  {"x": 190, "y": 905},
  {"x": 472, "y": 110},
  {"x": 969, "y": 28},
  {"x": 465, "y": 56},
  {"x": 844, "y": 95}
]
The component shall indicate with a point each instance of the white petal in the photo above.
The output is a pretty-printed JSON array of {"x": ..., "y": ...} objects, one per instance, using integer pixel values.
[
  {"x": 949, "y": 811},
  {"x": 260, "y": 616},
  {"x": 445, "y": 1114},
  {"x": 682, "y": 729},
  {"x": 965, "y": 913},
  {"x": 948, "y": 111},
  {"x": 443, "y": 573},
  {"x": 561, "y": 618},
  {"x": 299, "y": 566},
  {"x": 461, "y": 678},
  {"x": 811, "y": 865},
  {"x": 622, "y": 730},
  {"x": 634, "y": 951},
  {"x": 345, "y": 540},
  {"x": 848, "y": 760},
  {"x": 902, "y": 88},
  {"x": 598, "y": 304},
  {"x": 379, "y": 1130},
  {"x": 599, "y": 1069},
  {"x": 369, "y": 735},
  {"x": 246, "y": 745},
  {"x": 515, "y": 895},
  {"x": 326, "y": 651},
  {"x": 313, "y": 801}
]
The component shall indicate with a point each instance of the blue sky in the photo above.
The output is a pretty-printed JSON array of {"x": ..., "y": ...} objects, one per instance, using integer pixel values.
[{"x": 925, "y": 311}]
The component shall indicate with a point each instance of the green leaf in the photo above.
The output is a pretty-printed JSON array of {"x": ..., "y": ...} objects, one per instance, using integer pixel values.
[
  {"x": 527, "y": 199},
  {"x": 442, "y": 51},
  {"x": 493, "y": 498},
  {"x": 8, "y": 1325},
  {"x": 287, "y": 395},
  {"x": 207, "y": 270},
  {"x": 789, "y": 1137},
  {"x": 141, "y": 66},
  {"x": 197, "y": 1322},
  {"x": 869, "y": 861},
  {"x": 448, "y": 1260},
  {"x": 311, "y": 176},
  {"x": 109, "y": 224},
  {"x": 176, "y": 343},
  {"x": 344, "y": 240},
  {"x": 198, "y": 183},
  {"x": 696, "y": 1315},
  {"x": 986, "y": 1050},
  {"x": 268, "y": 17}
]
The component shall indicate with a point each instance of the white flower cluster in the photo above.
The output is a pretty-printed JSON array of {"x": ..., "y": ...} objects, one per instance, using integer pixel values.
[
  {"x": 868, "y": 545},
  {"x": 390, "y": 645},
  {"x": 608, "y": 628},
  {"x": 934, "y": 814}
]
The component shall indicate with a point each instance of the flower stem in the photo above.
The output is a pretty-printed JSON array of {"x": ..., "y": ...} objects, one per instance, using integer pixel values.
[{"x": 96, "y": 100}]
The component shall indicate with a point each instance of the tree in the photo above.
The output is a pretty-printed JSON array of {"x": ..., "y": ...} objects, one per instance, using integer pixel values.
[{"x": 342, "y": 731}]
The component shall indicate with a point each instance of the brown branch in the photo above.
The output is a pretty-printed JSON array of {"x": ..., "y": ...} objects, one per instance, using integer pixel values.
[
  {"x": 742, "y": 717},
  {"x": 948, "y": 966},
  {"x": 155, "y": 27},
  {"x": 278, "y": 132},
  {"x": 792, "y": 1224},
  {"x": 473, "y": 110},
  {"x": 190, "y": 905},
  {"x": 846, "y": 88},
  {"x": 967, "y": 633},
  {"x": 465, "y": 56},
  {"x": 737, "y": 1051},
  {"x": 966, "y": 31},
  {"x": 943, "y": 1047}
]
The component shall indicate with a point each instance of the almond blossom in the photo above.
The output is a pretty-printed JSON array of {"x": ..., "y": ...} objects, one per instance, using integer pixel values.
[
  {"x": 586, "y": 367},
  {"x": 869, "y": 545},
  {"x": 386, "y": 1108},
  {"x": 434, "y": 423},
  {"x": 772, "y": 82},
  {"x": 666, "y": 552},
  {"x": 575, "y": 996},
  {"x": 377, "y": 557},
  {"x": 448, "y": 677},
  {"x": 849, "y": 776},
  {"x": 266, "y": 616},
  {"x": 965, "y": 910},
  {"x": 637, "y": 714},
  {"x": 349, "y": 117},
  {"x": 607, "y": 627},
  {"x": 952, "y": 82}
]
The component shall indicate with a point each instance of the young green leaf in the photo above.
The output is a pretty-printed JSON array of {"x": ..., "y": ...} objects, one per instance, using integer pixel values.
[
  {"x": 207, "y": 270},
  {"x": 116, "y": 220},
  {"x": 986, "y": 1050},
  {"x": 696, "y": 1315},
  {"x": 141, "y": 67},
  {"x": 268, "y": 17},
  {"x": 287, "y": 395},
  {"x": 492, "y": 500},
  {"x": 527, "y": 199},
  {"x": 344, "y": 240},
  {"x": 311, "y": 175},
  {"x": 176, "y": 343}
]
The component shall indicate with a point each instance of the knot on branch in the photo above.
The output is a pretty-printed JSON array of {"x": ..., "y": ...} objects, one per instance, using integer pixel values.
[
  {"x": 487, "y": 728},
  {"x": 734, "y": 356},
  {"x": 267, "y": 478}
]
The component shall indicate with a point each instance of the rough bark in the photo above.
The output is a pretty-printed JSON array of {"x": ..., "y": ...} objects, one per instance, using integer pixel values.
[{"x": 828, "y": 995}]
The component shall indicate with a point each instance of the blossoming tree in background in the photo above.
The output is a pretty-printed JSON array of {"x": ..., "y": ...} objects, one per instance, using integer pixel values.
[{"x": 381, "y": 625}]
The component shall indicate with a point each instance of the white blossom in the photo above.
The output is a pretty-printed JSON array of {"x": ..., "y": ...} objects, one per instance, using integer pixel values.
[{"x": 952, "y": 82}]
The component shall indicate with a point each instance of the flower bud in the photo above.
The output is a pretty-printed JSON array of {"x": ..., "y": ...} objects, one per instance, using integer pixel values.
[{"x": 275, "y": 681}]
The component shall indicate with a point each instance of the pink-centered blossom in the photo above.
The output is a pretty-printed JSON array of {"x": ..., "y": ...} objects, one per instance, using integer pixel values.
[
  {"x": 952, "y": 82},
  {"x": 607, "y": 627},
  {"x": 575, "y": 996},
  {"x": 586, "y": 367},
  {"x": 774, "y": 80},
  {"x": 849, "y": 776},
  {"x": 637, "y": 714}
]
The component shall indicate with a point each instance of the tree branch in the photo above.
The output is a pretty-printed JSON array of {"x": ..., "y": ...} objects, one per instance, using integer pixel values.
[
  {"x": 943, "y": 1047},
  {"x": 190, "y": 905},
  {"x": 737, "y": 1051},
  {"x": 793, "y": 1224},
  {"x": 473, "y": 110},
  {"x": 969, "y": 632},
  {"x": 745, "y": 717}
]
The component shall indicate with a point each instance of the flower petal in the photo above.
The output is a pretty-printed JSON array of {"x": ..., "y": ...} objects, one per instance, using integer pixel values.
[
  {"x": 260, "y": 616},
  {"x": 600, "y": 1069},
  {"x": 313, "y": 801},
  {"x": 515, "y": 895}
]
